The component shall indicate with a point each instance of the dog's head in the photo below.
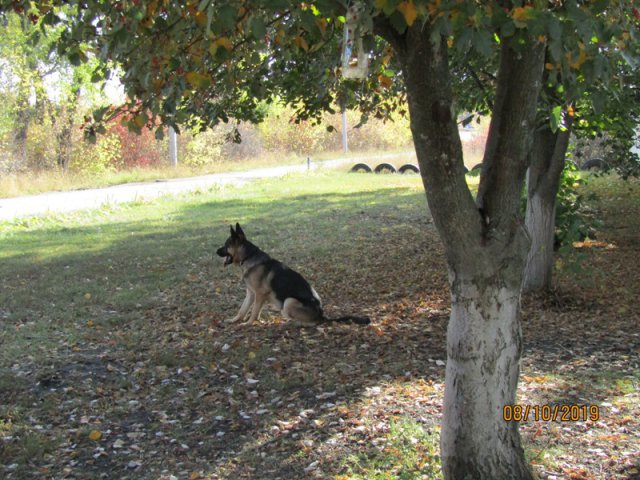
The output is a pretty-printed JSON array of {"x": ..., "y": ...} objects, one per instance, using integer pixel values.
[{"x": 232, "y": 250}]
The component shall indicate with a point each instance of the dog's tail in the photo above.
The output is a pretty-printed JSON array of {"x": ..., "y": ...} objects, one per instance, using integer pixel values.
[{"x": 350, "y": 319}]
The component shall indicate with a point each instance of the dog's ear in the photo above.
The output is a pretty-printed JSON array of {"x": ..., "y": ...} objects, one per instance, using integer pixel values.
[
  {"x": 239, "y": 232},
  {"x": 233, "y": 232}
]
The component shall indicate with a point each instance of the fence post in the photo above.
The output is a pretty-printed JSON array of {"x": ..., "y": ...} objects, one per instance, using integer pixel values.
[{"x": 173, "y": 147}]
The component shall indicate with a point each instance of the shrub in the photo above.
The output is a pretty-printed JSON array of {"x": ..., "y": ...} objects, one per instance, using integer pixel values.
[
  {"x": 139, "y": 150},
  {"x": 574, "y": 221},
  {"x": 95, "y": 159}
]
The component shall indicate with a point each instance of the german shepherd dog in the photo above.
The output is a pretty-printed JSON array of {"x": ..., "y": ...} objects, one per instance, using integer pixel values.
[{"x": 270, "y": 281}]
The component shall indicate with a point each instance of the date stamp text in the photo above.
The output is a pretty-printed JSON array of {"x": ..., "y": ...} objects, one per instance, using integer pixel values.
[{"x": 551, "y": 413}]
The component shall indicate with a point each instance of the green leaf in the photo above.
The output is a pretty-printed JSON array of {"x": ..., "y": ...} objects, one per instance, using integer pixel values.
[
  {"x": 555, "y": 119},
  {"x": 508, "y": 29},
  {"x": 483, "y": 42},
  {"x": 226, "y": 18},
  {"x": 398, "y": 22},
  {"x": 98, "y": 114},
  {"x": 257, "y": 27}
]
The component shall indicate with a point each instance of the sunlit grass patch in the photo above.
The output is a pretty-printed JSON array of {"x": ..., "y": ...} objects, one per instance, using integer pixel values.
[{"x": 407, "y": 451}]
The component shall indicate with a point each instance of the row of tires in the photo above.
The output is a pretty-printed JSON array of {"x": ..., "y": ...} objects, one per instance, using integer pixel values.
[
  {"x": 385, "y": 168},
  {"x": 389, "y": 168},
  {"x": 593, "y": 164}
]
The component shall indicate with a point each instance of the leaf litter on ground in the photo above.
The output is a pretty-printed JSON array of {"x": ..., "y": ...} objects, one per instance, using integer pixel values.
[{"x": 174, "y": 392}]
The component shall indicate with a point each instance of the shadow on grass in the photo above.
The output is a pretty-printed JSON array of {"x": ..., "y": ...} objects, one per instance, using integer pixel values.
[
  {"x": 117, "y": 328},
  {"x": 104, "y": 328}
]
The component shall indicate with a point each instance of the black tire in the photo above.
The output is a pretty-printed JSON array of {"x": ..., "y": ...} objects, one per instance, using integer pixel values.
[
  {"x": 409, "y": 168},
  {"x": 361, "y": 167},
  {"x": 385, "y": 166},
  {"x": 595, "y": 164}
]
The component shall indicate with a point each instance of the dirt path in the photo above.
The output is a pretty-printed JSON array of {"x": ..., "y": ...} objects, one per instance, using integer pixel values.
[{"x": 60, "y": 202}]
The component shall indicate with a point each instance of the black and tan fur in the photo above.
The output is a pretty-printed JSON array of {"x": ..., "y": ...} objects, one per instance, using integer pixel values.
[{"x": 270, "y": 281}]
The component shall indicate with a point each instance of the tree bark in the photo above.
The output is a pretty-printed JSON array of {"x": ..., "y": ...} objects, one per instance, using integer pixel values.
[
  {"x": 484, "y": 348},
  {"x": 66, "y": 116},
  {"x": 547, "y": 159},
  {"x": 485, "y": 243},
  {"x": 23, "y": 115}
]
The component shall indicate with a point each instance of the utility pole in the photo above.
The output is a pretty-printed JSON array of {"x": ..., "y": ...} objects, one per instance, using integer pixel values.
[{"x": 173, "y": 147}]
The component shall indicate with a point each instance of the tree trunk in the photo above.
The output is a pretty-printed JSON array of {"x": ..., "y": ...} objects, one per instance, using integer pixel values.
[
  {"x": 540, "y": 221},
  {"x": 65, "y": 145},
  {"x": 485, "y": 243},
  {"x": 66, "y": 116},
  {"x": 23, "y": 115},
  {"x": 547, "y": 158},
  {"x": 484, "y": 348}
]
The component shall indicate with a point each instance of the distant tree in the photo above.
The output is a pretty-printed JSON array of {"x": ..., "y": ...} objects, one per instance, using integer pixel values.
[
  {"x": 590, "y": 92},
  {"x": 40, "y": 87},
  {"x": 215, "y": 60}
]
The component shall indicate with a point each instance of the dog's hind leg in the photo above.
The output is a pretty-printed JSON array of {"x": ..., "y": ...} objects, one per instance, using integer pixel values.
[{"x": 300, "y": 314}]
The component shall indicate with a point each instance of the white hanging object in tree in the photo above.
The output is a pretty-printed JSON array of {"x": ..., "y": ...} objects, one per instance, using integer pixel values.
[{"x": 355, "y": 61}]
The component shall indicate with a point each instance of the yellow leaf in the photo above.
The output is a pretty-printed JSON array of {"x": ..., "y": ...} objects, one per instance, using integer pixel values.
[
  {"x": 252, "y": 355},
  {"x": 139, "y": 121},
  {"x": 87, "y": 296},
  {"x": 409, "y": 11},
  {"x": 385, "y": 81},
  {"x": 197, "y": 79},
  {"x": 549, "y": 66},
  {"x": 224, "y": 42},
  {"x": 301, "y": 43},
  {"x": 434, "y": 8},
  {"x": 95, "y": 435},
  {"x": 582, "y": 56},
  {"x": 521, "y": 14},
  {"x": 201, "y": 18},
  {"x": 322, "y": 24},
  {"x": 570, "y": 111},
  {"x": 220, "y": 42},
  {"x": 89, "y": 323},
  {"x": 157, "y": 84}
]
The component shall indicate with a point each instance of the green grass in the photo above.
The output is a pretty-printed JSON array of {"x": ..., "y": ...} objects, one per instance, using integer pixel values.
[
  {"x": 408, "y": 451},
  {"x": 93, "y": 284},
  {"x": 105, "y": 266}
]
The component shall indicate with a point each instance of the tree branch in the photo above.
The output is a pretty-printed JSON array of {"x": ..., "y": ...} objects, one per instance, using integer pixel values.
[
  {"x": 510, "y": 134},
  {"x": 382, "y": 27}
]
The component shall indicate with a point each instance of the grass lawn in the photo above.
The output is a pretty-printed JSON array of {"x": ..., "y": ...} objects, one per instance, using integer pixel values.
[{"x": 115, "y": 361}]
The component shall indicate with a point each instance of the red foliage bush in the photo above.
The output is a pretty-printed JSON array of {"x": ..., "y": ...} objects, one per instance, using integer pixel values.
[{"x": 138, "y": 150}]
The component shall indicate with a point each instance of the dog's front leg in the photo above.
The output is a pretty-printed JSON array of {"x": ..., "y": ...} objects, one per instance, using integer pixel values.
[
  {"x": 257, "y": 308},
  {"x": 244, "y": 309}
]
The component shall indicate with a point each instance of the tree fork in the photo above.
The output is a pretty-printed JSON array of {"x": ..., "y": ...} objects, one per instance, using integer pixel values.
[{"x": 486, "y": 248}]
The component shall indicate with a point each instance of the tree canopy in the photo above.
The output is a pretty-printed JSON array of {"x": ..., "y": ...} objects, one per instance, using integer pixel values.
[{"x": 215, "y": 60}]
